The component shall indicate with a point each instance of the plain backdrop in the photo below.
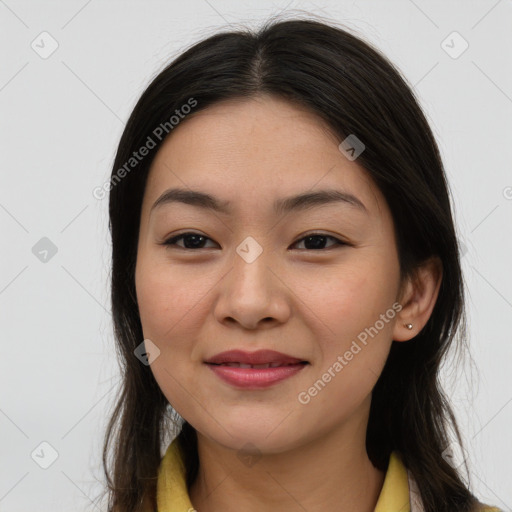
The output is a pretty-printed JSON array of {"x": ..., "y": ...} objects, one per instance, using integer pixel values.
[{"x": 62, "y": 114}]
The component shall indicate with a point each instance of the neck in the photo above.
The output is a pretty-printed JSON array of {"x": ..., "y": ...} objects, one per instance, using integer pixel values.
[{"x": 330, "y": 473}]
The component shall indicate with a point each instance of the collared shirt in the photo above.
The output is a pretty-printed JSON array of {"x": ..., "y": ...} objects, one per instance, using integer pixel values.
[{"x": 398, "y": 493}]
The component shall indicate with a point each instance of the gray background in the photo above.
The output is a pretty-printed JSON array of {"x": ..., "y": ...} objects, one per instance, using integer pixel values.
[{"x": 61, "y": 119}]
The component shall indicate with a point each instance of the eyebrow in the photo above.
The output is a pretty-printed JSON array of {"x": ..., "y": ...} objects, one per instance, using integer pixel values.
[{"x": 299, "y": 202}]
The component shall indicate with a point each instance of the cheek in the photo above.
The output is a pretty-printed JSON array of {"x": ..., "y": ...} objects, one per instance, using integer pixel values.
[
  {"x": 164, "y": 301},
  {"x": 357, "y": 318},
  {"x": 172, "y": 304},
  {"x": 349, "y": 299},
  {"x": 165, "y": 296},
  {"x": 153, "y": 300}
]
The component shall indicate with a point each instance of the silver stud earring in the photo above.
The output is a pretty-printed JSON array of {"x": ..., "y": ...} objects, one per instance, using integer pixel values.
[{"x": 409, "y": 326}]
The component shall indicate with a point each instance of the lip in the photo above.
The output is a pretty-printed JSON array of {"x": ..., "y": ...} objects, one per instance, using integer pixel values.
[
  {"x": 257, "y": 357},
  {"x": 224, "y": 365}
]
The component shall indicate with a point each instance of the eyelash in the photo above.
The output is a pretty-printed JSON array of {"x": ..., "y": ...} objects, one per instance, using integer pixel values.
[{"x": 171, "y": 242}]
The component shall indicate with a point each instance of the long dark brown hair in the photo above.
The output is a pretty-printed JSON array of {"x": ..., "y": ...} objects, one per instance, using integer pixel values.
[{"x": 356, "y": 90}]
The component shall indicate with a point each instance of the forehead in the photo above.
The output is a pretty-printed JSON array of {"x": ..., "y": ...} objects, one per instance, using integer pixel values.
[{"x": 253, "y": 151}]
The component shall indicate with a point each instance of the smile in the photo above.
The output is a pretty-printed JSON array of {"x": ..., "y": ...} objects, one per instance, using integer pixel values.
[{"x": 257, "y": 366}]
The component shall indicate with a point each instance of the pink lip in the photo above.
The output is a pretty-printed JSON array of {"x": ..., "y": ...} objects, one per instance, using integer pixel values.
[
  {"x": 257, "y": 357},
  {"x": 255, "y": 378}
]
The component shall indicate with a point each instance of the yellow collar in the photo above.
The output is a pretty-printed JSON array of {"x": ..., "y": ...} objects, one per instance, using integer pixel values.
[{"x": 172, "y": 494}]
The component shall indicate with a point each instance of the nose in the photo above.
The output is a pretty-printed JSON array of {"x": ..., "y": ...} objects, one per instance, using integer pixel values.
[{"x": 252, "y": 294}]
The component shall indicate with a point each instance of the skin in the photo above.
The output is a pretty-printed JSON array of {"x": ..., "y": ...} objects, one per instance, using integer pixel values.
[{"x": 306, "y": 302}]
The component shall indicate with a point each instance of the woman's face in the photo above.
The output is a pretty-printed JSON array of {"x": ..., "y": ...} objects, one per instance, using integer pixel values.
[{"x": 255, "y": 281}]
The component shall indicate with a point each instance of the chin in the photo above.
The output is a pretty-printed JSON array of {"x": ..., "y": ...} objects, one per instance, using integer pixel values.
[{"x": 245, "y": 435}]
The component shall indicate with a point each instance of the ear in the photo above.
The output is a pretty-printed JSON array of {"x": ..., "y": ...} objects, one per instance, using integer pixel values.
[{"x": 418, "y": 297}]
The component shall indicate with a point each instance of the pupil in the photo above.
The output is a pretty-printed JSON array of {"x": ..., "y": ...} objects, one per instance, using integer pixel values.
[
  {"x": 196, "y": 241},
  {"x": 320, "y": 241}
]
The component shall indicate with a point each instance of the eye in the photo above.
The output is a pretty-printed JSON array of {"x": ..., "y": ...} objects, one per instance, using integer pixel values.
[
  {"x": 193, "y": 241},
  {"x": 317, "y": 241},
  {"x": 190, "y": 240}
]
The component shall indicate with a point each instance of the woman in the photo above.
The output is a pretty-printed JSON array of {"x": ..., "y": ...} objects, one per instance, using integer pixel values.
[{"x": 285, "y": 285}]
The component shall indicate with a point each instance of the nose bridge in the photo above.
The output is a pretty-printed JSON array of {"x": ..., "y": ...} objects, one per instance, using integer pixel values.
[
  {"x": 251, "y": 291},
  {"x": 250, "y": 267}
]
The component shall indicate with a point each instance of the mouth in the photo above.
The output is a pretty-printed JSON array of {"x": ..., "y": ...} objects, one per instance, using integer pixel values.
[
  {"x": 258, "y": 366},
  {"x": 255, "y": 370},
  {"x": 257, "y": 359}
]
